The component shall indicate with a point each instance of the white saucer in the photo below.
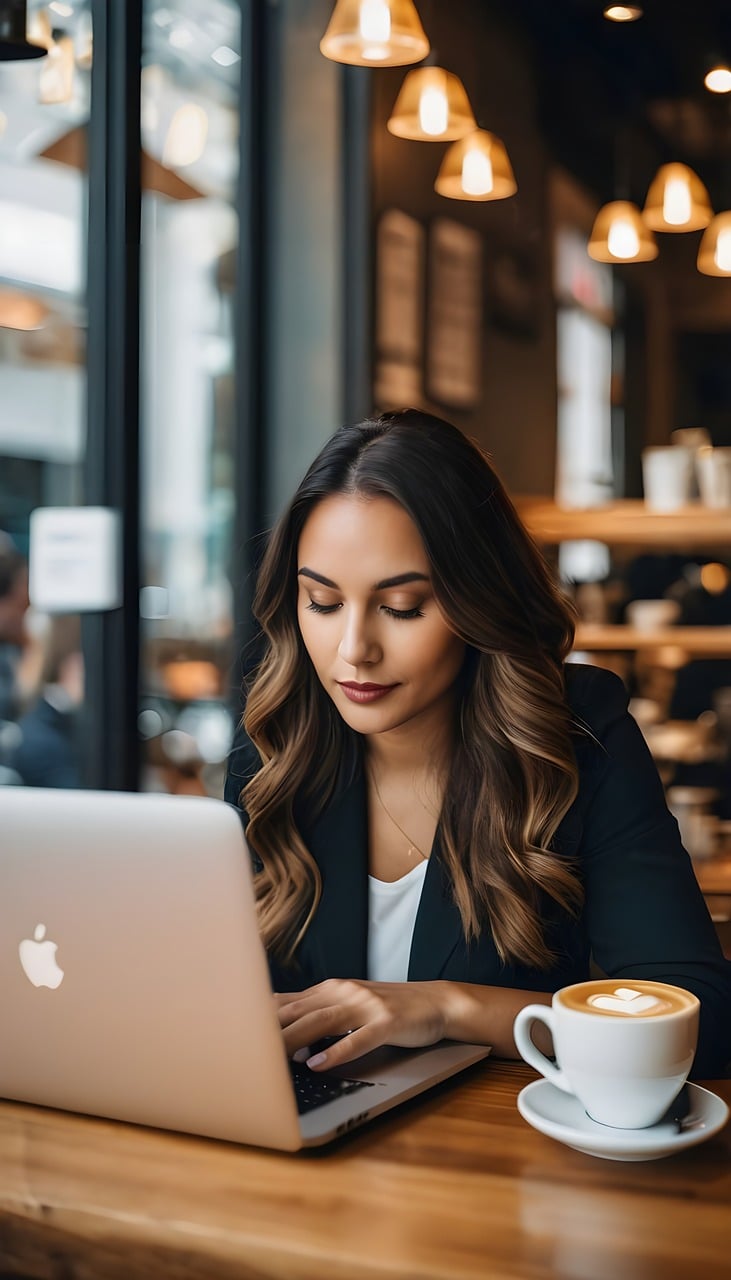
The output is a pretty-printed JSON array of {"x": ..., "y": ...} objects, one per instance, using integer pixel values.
[{"x": 561, "y": 1116}]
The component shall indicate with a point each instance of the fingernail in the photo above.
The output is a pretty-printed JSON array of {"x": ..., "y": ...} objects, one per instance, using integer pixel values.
[
  {"x": 317, "y": 1060},
  {"x": 301, "y": 1055}
]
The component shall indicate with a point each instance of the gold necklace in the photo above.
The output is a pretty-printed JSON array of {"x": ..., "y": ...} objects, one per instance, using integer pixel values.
[{"x": 413, "y": 847}]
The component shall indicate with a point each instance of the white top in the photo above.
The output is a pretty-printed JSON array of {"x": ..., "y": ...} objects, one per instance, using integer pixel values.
[{"x": 392, "y": 908}]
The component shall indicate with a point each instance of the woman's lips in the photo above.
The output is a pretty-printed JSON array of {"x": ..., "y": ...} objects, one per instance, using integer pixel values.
[{"x": 365, "y": 692}]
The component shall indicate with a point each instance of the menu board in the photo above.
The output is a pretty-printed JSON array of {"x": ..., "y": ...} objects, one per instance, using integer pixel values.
[
  {"x": 454, "y": 314},
  {"x": 399, "y": 306}
]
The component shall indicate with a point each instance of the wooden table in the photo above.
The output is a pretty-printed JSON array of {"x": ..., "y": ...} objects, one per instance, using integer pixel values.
[{"x": 455, "y": 1185}]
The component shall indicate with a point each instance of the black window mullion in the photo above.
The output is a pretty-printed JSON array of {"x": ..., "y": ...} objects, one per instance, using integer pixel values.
[
  {"x": 250, "y": 323},
  {"x": 111, "y": 467}
]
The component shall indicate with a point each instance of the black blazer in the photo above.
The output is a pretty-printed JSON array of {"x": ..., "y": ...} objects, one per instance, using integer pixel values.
[{"x": 643, "y": 916}]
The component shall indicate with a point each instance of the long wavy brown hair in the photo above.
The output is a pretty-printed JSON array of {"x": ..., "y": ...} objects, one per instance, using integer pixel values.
[{"x": 513, "y": 773}]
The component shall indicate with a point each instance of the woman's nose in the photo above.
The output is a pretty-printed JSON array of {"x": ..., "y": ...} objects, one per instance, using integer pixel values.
[{"x": 358, "y": 642}]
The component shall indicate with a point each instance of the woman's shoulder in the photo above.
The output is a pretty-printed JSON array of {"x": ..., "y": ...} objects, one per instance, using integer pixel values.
[{"x": 596, "y": 697}]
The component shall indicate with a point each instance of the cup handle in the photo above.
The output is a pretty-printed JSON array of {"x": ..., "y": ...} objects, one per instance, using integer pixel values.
[{"x": 528, "y": 1050}]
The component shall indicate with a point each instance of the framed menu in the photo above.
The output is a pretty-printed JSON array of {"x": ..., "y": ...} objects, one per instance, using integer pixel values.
[
  {"x": 399, "y": 308},
  {"x": 454, "y": 314}
]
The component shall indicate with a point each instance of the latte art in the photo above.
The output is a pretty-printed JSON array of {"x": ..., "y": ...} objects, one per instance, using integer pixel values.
[
  {"x": 629, "y": 1003},
  {"x": 626, "y": 1000}
]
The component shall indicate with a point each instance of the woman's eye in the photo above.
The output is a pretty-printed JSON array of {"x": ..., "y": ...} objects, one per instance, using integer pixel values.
[
  {"x": 322, "y": 608},
  {"x": 403, "y": 613}
]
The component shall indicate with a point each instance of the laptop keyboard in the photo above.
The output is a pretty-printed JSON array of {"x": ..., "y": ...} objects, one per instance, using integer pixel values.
[{"x": 313, "y": 1089}]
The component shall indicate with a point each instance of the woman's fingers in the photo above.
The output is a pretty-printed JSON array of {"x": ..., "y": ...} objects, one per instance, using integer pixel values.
[{"x": 358, "y": 1016}]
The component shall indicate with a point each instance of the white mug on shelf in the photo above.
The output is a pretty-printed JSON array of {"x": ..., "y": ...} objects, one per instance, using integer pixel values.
[
  {"x": 713, "y": 468},
  {"x": 667, "y": 475}
]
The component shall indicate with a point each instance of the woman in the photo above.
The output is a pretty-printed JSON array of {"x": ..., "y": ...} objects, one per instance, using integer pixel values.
[{"x": 448, "y": 823}]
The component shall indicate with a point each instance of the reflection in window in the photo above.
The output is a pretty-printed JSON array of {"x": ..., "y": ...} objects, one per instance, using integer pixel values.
[
  {"x": 44, "y": 106},
  {"x": 189, "y": 122}
]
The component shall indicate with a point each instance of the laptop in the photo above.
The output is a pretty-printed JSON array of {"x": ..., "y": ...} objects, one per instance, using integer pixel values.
[{"x": 134, "y": 984}]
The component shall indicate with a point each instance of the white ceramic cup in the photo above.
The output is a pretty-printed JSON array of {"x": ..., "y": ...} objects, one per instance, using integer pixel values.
[
  {"x": 647, "y": 615},
  {"x": 713, "y": 468},
  {"x": 668, "y": 473},
  {"x": 623, "y": 1047}
]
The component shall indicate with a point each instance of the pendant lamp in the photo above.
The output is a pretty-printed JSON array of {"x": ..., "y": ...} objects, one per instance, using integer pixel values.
[
  {"x": 14, "y": 42},
  {"x": 432, "y": 106},
  {"x": 714, "y": 251},
  {"x": 375, "y": 33},
  {"x": 620, "y": 235},
  {"x": 677, "y": 200},
  {"x": 476, "y": 168}
]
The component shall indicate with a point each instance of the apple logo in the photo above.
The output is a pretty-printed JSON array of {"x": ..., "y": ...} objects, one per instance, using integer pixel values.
[{"x": 38, "y": 959}]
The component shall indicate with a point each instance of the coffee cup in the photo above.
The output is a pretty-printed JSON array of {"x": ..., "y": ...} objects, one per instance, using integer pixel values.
[
  {"x": 623, "y": 1047},
  {"x": 667, "y": 475}
]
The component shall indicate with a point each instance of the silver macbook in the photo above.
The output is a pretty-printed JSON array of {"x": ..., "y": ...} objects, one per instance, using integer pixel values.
[{"x": 134, "y": 985}]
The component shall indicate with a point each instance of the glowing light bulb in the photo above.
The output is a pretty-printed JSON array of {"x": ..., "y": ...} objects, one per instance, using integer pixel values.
[
  {"x": 676, "y": 202},
  {"x": 477, "y": 179},
  {"x": 374, "y": 23},
  {"x": 622, "y": 239},
  {"x": 722, "y": 252},
  {"x": 718, "y": 80},
  {"x": 433, "y": 111}
]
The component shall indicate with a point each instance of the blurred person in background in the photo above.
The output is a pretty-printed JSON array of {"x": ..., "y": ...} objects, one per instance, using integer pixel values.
[
  {"x": 46, "y": 754},
  {"x": 13, "y": 607}
]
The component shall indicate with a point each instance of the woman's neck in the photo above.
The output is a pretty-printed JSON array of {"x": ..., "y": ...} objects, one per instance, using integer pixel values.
[{"x": 422, "y": 747}]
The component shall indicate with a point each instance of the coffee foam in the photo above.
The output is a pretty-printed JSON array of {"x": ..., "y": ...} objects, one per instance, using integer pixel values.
[{"x": 626, "y": 999}]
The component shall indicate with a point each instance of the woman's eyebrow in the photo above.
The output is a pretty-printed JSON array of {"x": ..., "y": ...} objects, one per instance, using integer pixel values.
[{"x": 397, "y": 581}]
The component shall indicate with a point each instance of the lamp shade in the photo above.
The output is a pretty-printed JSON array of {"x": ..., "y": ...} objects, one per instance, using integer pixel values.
[
  {"x": 714, "y": 251},
  {"x": 620, "y": 235},
  {"x": 476, "y": 168},
  {"x": 14, "y": 42},
  {"x": 375, "y": 33},
  {"x": 432, "y": 106},
  {"x": 677, "y": 200}
]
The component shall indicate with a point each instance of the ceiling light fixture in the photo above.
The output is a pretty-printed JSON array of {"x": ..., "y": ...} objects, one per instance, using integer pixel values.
[
  {"x": 620, "y": 235},
  {"x": 39, "y": 28},
  {"x": 56, "y": 82},
  {"x": 21, "y": 311},
  {"x": 186, "y": 136},
  {"x": 677, "y": 200},
  {"x": 432, "y": 106},
  {"x": 714, "y": 250},
  {"x": 375, "y": 33},
  {"x": 224, "y": 56},
  {"x": 718, "y": 78},
  {"x": 623, "y": 12},
  {"x": 14, "y": 43},
  {"x": 476, "y": 168}
]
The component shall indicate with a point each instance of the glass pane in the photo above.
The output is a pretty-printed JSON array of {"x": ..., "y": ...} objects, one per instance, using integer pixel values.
[
  {"x": 44, "y": 105},
  {"x": 190, "y": 77}
]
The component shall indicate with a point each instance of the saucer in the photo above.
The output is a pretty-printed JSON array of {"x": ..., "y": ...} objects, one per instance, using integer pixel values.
[{"x": 561, "y": 1116}]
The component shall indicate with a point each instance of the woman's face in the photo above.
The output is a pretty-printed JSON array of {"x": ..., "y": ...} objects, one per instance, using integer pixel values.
[{"x": 378, "y": 641}]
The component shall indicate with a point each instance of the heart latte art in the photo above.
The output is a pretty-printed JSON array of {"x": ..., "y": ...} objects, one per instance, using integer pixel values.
[{"x": 626, "y": 999}]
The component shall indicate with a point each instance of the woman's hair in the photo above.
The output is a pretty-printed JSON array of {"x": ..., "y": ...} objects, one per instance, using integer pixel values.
[{"x": 513, "y": 773}]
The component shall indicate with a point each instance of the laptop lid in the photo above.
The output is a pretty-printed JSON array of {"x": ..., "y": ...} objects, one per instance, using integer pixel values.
[{"x": 133, "y": 983}]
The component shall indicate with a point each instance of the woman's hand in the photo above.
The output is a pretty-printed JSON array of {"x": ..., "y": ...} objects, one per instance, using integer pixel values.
[{"x": 366, "y": 1014}]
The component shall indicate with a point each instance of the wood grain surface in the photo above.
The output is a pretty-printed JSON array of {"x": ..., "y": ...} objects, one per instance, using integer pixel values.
[{"x": 453, "y": 1186}]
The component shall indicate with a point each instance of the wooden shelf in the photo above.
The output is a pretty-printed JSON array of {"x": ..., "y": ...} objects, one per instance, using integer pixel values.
[
  {"x": 627, "y": 523},
  {"x": 697, "y": 642}
]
